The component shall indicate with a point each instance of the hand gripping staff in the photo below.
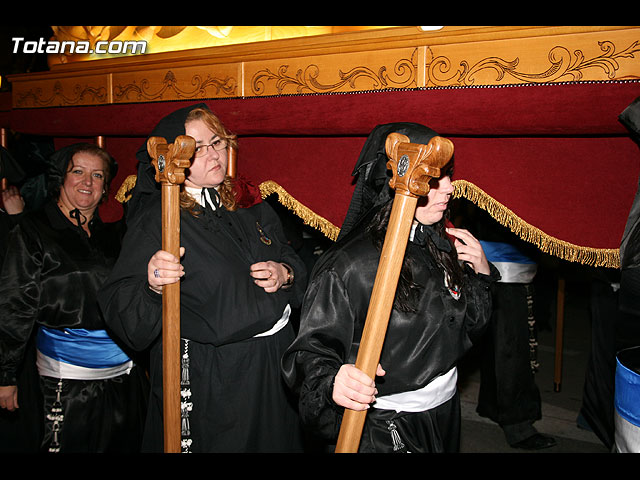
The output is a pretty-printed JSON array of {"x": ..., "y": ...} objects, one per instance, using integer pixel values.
[
  {"x": 413, "y": 166},
  {"x": 170, "y": 162}
]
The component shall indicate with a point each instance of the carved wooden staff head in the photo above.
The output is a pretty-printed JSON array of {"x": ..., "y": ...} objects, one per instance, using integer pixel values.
[
  {"x": 414, "y": 165},
  {"x": 170, "y": 161}
]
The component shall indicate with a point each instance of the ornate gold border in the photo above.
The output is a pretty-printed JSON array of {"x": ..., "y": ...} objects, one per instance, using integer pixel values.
[
  {"x": 564, "y": 66},
  {"x": 141, "y": 90},
  {"x": 306, "y": 78},
  {"x": 60, "y": 93},
  {"x": 469, "y": 56}
]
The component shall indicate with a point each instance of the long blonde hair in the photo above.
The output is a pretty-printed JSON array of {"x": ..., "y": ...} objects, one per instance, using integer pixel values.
[{"x": 226, "y": 188}]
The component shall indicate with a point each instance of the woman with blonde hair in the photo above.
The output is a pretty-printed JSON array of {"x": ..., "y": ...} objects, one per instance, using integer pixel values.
[{"x": 239, "y": 280}]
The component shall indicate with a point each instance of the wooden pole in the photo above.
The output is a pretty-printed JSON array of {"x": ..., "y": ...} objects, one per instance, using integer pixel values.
[
  {"x": 170, "y": 162},
  {"x": 557, "y": 372},
  {"x": 4, "y": 183},
  {"x": 413, "y": 166},
  {"x": 232, "y": 163}
]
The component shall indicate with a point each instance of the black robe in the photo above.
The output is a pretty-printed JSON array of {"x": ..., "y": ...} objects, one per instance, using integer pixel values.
[
  {"x": 21, "y": 430},
  {"x": 418, "y": 347},
  {"x": 50, "y": 278},
  {"x": 240, "y": 402}
]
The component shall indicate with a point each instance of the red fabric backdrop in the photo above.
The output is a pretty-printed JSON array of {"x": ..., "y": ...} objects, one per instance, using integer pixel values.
[
  {"x": 554, "y": 154},
  {"x": 552, "y": 109}
]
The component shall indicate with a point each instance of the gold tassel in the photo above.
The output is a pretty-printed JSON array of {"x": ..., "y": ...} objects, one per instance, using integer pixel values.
[
  {"x": 307, "y": 215},
  {"x": 266, "y": 188},
  {"x": 596, "y": 257}
]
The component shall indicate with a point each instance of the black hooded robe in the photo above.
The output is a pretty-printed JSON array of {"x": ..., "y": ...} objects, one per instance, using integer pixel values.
[
  {"x": 236, "y": 400},
  {"x": 615, "y": 313},
  {"x": 50, "y": 278},
  {"x": 419, "y": 346}
]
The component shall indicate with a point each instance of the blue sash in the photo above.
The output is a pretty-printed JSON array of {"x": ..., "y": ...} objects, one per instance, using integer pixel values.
[
  {"x": 513, "y": 265},
  {"x": 80, "y": 347},
  {"x": 504, "y": 252},
  {"x": 627, "y": 388}
]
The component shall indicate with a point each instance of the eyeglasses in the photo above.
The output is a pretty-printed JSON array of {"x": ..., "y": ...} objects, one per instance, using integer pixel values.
[{"x": 218, "y": 145}]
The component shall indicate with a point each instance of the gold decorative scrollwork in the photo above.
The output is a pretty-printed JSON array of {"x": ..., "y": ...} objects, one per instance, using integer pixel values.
[
  {"x": 306, "y": 80},
  {"x": 140, "y": 91},
  {"x": 564, "y": 67},
  {"x": 33, "y": 97}
]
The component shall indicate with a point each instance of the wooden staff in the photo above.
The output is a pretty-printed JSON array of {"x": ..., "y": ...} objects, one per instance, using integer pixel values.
[
  {"x": 4, "y": 183},
  {"x": 557, "y": 372},
  {"x": 413, "y": 165},
  {"x": 170, "y": 162}
]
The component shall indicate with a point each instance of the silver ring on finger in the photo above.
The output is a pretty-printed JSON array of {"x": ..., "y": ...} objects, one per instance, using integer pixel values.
[{"x": 156, "y": 273}]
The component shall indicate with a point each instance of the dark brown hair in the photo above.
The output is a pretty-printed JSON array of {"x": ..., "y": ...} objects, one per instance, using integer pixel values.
[
  {"x": 407, "y": 290},
  {"x": 110, "y": 167}
]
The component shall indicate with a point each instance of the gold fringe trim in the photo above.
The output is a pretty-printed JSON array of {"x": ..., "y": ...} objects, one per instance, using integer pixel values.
[
  {"x": 307, "y": 215},
  {"x": 596, "y": 257}
]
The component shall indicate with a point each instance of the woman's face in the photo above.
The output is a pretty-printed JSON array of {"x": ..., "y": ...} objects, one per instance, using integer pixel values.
[
  {"x": 210, "y": 169},
  {"x": 84, "y": 182},
  {"x": 431, "y": 208}
]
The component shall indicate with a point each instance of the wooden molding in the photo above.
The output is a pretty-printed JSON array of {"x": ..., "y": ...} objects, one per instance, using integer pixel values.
[{"x": 392, "y": 58}]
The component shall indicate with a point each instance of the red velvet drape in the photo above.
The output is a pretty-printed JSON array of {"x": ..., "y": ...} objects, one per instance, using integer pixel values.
[{"x": 556, "y": 155}]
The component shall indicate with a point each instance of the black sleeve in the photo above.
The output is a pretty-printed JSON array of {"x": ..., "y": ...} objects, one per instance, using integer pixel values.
[
  {"x": 20, "y": 290},
  {"x": 479, "y": 303},
  {"x": 131, "y": 309},
  {"x": 321, "y": 348},
  {"x": 273, "y": 224}
]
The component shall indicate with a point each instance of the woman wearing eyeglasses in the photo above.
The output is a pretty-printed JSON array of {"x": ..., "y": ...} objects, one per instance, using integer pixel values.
[{"x": 239, "y": 280}]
